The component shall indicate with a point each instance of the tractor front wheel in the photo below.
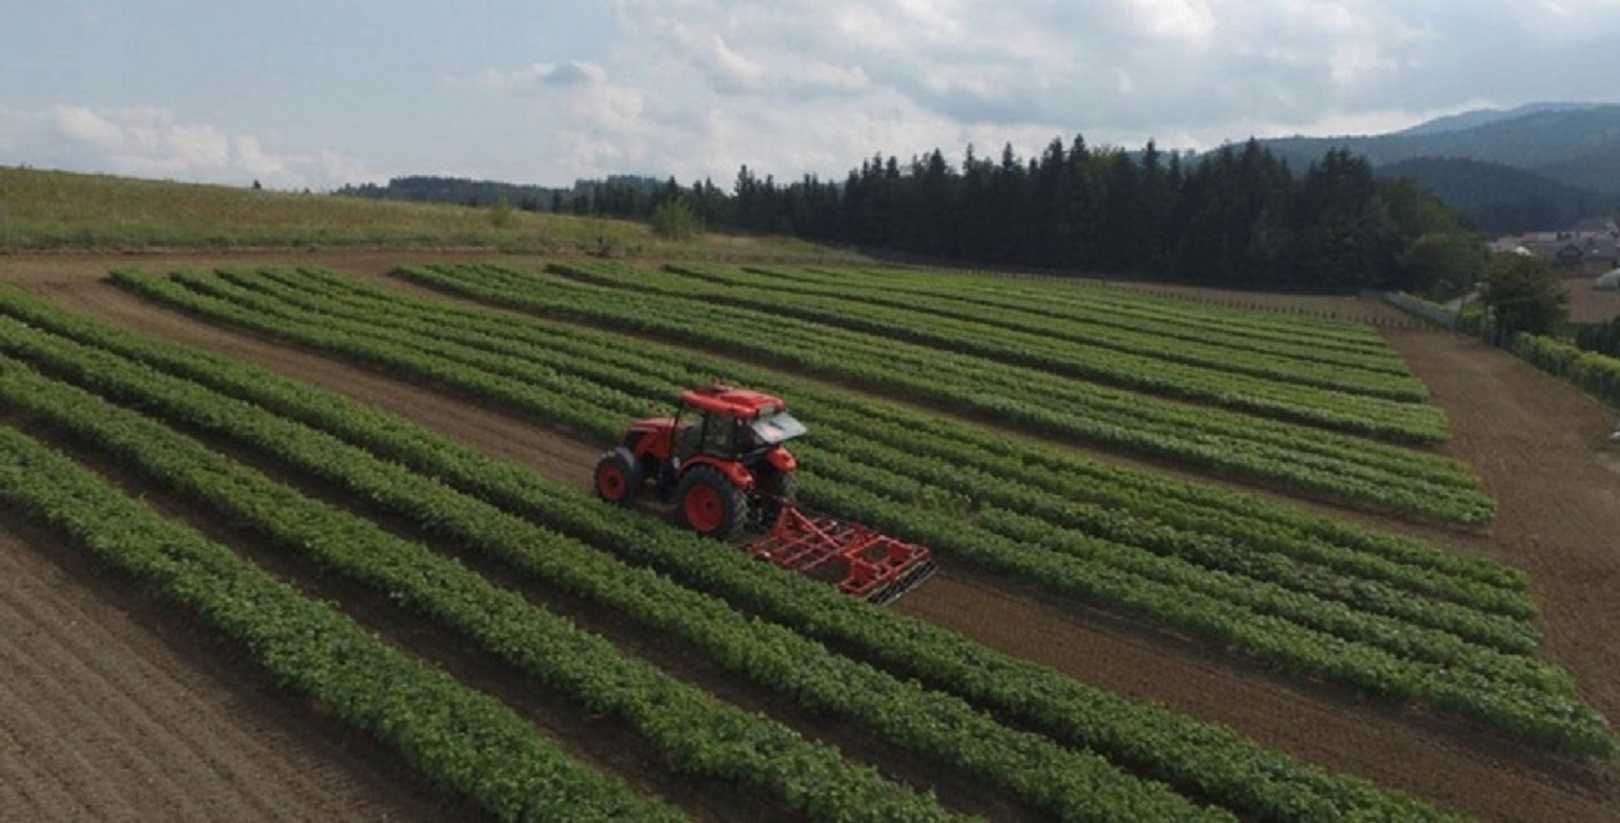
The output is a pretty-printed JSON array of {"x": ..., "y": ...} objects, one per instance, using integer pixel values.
[
  {"x": 618, "y": 476},
  {"x": 709, "y": 504}
]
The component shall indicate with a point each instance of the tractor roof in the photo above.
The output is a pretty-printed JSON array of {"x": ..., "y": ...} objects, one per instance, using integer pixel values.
[{"x": 727, "y": 400}]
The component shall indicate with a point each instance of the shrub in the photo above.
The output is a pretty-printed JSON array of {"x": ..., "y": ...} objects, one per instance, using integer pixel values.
[{"x": 674, "y": 219}]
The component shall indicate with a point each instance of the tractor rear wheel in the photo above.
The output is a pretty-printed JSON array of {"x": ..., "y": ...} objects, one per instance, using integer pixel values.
[
  {"x": 618, "y": 476},
  {"x": 709, "y": 504}
]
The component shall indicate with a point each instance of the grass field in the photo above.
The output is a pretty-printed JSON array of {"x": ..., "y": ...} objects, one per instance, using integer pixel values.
[{"x": 42, "y": 210}]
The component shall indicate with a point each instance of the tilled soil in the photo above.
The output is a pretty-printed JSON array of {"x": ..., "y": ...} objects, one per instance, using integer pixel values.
[
  {"x": 1540, "y": 446},
  {"x": 108, "y": 711},
  {"x": 1509, "y": 420}
]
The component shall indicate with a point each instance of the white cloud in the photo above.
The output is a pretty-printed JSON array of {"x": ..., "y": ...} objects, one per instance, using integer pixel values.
[{"x": 149, "y": 141}]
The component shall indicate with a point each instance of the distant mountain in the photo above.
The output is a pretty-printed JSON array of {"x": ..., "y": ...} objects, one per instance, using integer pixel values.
[
  {"x": 1481, "y": 117},
  {"x": 1577, "y": 144},
  {"x": 1499, "y": 199}
]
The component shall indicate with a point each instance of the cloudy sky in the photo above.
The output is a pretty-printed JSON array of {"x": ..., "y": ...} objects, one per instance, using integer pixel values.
[{"x": 325, "y": 92}]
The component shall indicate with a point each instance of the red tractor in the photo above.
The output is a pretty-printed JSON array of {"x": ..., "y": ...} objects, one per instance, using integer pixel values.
[{"x": 721, "y": 462}]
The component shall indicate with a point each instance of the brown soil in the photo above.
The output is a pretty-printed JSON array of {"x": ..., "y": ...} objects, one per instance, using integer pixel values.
[
  {"x": 1540, "y": 446},
  {"x": 110, "y": 711},
  {"x": 1395, "y": 749}
]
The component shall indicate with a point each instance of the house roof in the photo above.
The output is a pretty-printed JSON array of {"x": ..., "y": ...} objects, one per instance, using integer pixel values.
[{"x": 1594, "y": 225}]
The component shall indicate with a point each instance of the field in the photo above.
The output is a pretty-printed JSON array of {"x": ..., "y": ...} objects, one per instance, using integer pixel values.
[
  {"x": 1196, "y": 561},
  {"x": 55, "y": 210}
]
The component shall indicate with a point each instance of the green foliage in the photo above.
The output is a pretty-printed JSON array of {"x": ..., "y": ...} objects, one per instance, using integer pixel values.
[
  {"x": 1598, "y": 374},
  {"x": 1381, "y": 644},
  {"x": 1195, "y": 757},
  {"x": 1601, "y": 338},
  {"x": 1444, "y": 266},
  {"x": 500, "y": 215},
  {"x": 698, "y": 733},
  {"x": 1302, "y": 458},
  {"x": 454, "y": 736},
  {"x": 1523, "y": 294},
  {"x": 674, "y": 219}
]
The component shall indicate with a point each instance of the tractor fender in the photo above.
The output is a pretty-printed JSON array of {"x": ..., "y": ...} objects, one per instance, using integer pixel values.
[
  {"x": 782, "y": 460},
  {"x": 737, "y": 473}
]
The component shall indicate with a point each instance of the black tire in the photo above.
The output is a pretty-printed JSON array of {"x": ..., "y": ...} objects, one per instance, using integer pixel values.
[
  {"x": 729, "y": 511},
  {"x": 776, "y": 490},
  {"x": 622, "y": 492}
]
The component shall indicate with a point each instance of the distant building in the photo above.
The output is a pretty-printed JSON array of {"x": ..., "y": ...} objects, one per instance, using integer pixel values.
[{"x": 1593, "y": 241}]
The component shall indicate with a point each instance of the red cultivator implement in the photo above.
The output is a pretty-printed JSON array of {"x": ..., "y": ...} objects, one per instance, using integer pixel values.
[
  {"x": 865, "y": 564},
  {"x": 725, "y": 469}
]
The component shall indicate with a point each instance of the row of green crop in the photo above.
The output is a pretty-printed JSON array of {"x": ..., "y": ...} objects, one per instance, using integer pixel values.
[
  {"x": 1402, "y": 637},
  {"x": 1069, "y": 477},
  {"x": 1084, "y": 323},
  {"x": 1379, "y": 376},
  {"x": 1521, "y": 708},
  {"x": 655, "y": 376},
  {"x": 1406, "y": 635},
  {"x": 457, "y": 738},
  {"x": 1069, "y": 295},
  {"x": 1373, "y": 407},
  {"x": 1398, "y": 636},
  {"x": 1073, "y": 785},
  {"x": 697, "y": 733},
  {"x": 1202, "y": 759},
  {"x": 1413, "y": 467},
  {"x": 886, "y": 363},
  {"x": 1598, "y": 374},
  {"x": 1299, "y": 458}
]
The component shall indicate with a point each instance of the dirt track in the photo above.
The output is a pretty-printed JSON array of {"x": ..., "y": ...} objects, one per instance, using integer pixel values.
[
  {"x": 109, "y": 711},
  {"x": 1540, "y": 446}
]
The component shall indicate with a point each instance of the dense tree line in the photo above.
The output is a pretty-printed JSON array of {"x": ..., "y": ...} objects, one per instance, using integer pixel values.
[{"x": 1236, "y": 217}]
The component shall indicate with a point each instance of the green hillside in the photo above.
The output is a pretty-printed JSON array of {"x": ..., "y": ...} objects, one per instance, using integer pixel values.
[{"x": 61, "y": 210}]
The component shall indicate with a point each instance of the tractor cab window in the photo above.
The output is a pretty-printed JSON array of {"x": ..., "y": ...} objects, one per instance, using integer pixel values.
[{"x": 717, "y": 434}]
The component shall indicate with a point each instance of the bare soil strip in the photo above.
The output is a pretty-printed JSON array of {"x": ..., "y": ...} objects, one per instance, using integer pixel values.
[
  {"x": 1369, "y": 740},
  {"x": 1541, "y": 447},
  {"x": 111, "y": 710}
]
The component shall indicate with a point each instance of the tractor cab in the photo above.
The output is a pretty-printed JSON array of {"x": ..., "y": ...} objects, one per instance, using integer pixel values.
[
  {"x": 721, "y": 462},
  {"x": 720, "y": 458}
]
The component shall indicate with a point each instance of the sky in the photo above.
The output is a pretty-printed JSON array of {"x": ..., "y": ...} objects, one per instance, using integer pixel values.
[{"x": 298, "y": 93}]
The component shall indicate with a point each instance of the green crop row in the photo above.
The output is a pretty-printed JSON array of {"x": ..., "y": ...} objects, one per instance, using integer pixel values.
[
  {"x": 1368, "y": 410},
  {"x": 1302, "y": 459},
  {"x": 655, "y": 379},
  {"x": 374, "y": 320},
  {"x": 1099, "y": 323},
  {"x": 1200, "y": 758},
  {"x": 457, "y": 738},
  {"x": 1069, "y": 295},
  {"x": 1035, "y": 339},
  {"x": 866, "y": 421},
  {"x": 697, "y": 733},
  {"x": 1071, "y": 784},
  {"x": 991, "y": 387},
  {"x": 1403, "y": 637},
  {"x": 1549, "y": 716}
]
